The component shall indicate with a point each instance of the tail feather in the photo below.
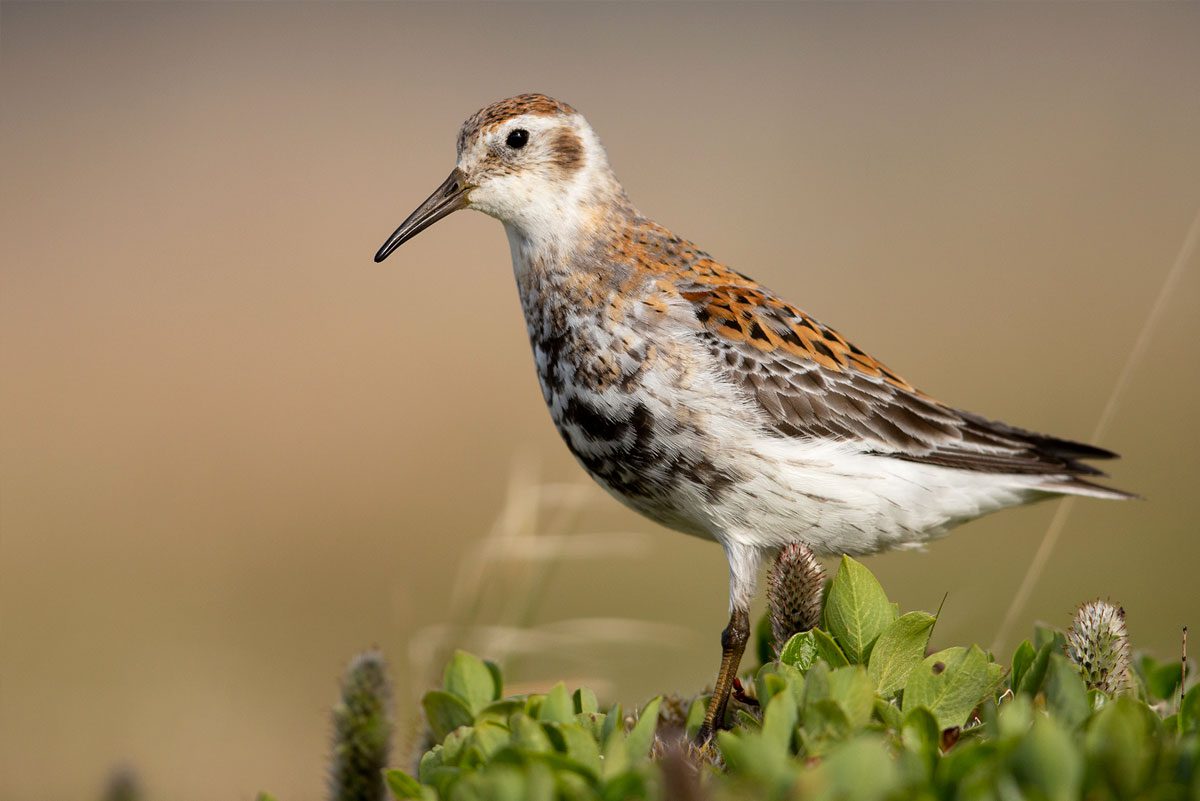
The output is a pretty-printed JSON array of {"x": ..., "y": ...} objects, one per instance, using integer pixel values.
[{"x": 1073, "y": 485}]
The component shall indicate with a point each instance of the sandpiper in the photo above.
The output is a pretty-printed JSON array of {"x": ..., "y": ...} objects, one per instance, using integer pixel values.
[{"x": 705, "y": 401}]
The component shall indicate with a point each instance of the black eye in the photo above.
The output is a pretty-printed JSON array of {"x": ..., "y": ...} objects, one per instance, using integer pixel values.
[{"x": 517, "y": 138}]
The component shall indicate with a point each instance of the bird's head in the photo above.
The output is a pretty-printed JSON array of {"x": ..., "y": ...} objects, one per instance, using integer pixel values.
[{"x": 530, "y": 161}]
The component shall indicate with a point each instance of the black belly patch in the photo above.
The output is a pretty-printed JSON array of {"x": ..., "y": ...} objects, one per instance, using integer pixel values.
[{"x": 627, "y": 456}]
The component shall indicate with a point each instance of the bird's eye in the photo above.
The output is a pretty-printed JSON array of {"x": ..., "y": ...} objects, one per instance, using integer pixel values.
[{"x": 517, "y": 138}]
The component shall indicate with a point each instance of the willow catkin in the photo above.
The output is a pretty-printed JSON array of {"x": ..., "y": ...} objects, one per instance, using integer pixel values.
[
  {"x": 1099, "y": 646},
  {"x": 362, "y": 732},
  {"x": 795, "y": 585}
]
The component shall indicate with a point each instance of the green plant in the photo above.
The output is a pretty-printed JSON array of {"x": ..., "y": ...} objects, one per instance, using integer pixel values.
[{"x": 854, "y": 708}]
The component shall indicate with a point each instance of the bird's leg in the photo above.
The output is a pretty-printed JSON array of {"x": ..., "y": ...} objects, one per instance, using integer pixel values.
[
  {"x": 744, "y": 561},
  {"x": 733, "y": 644}
]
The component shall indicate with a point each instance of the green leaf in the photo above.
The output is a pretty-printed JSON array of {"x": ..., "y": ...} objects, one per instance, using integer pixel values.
[
  {"x": 1014, "y": 718},
  {"x": 899, "y": 649},
  {"x": 499, "y": 711},
  {"x": 614, "y": 721},
  {"x": 921, "y": 734},
  {"x": 695, "y": 716},
  {"x": 852, "y": 690},
  {"x": 1022, "y": 660},
  {"x": 857, "y": 610},
  {"x": 767, "y": 684},
  {"x": 1066, "y": 694},
  {"x": 490, "y": 738},
  {"x": 889, "y": 714},
  {"x": 593, "y": 722},
  {"x": 764, "y": 640},
  {"x": 455, "y": 744},
  {"x": 825, "y": 725},
  {"x": 616, "y": 755},
  {"x": 528, "y": 735},
  {"x": 498, "y": 783},
  {"x": 623, "y": 787},
  {"x": 1048, "y": 762},
  {"x": 779, "y": 722},
  {"x": 1044, "y": 635},
  {"x": 580, "y": 746},
  {"x": 1034, "y": 676},
  {"x": 402, "y": 785},
  {"x": 748, "y": 755},
  {"x": 1120, "y": 740},
  {"x": 775, "y": 677},
  {"x": 557, "y": 706},
  {"x": 829, "y": 650},
  {"x": 816, "y": 683},
  {"x": 800, "y": 651},
  {"x": 950, "y": 684},
  {"x": 996, "y": 674},
  {"x": 1162, "y": 680},
  {"x": 497, "y": 677},
  {"x": 641, "y": 737},
  {"x": 445, "y": 713},
  {"x": 860, "y": 770},
  {"x": 585, "y": 700},
  {"x": 467, "y": 677},
  {"x": 1189, "y": 711}
]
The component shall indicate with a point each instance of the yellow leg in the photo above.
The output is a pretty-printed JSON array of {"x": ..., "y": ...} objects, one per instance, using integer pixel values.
[{"x": 733, "y": 645}]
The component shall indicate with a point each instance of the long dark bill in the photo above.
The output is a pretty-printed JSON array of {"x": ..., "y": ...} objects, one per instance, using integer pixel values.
[{"x": 446, "y": 199}]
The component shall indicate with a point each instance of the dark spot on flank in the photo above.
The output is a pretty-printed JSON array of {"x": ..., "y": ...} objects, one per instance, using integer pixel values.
[
  {"x": 702, "y": 315},
  {"x": 642, "y": 421},
  {"x": 592, "y": 422},
  {"x": 756, "y": 331},
  {"x": 713, "y": 481},
  {"x": 566, "y": 150}
]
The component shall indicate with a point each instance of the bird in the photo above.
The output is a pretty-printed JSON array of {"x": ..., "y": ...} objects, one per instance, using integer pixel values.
[{"x": 705, "y": 401}]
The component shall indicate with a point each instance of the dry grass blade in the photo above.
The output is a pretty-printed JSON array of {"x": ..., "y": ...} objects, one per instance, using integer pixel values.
[{"x": 1038, "y": 565}]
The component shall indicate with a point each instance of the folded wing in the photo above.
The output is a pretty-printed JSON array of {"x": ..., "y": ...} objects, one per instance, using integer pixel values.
[{"x": 811, "y": 382}]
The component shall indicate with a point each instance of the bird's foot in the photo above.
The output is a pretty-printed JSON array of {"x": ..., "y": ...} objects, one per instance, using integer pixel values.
[{"x": 739, "y": 694}]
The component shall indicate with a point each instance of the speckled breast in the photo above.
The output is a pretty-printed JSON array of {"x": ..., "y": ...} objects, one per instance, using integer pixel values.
[{"x": 608, "y": 389}]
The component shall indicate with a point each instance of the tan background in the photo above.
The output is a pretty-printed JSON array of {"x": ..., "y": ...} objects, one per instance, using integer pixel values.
[{"x": 235, "y": 451}]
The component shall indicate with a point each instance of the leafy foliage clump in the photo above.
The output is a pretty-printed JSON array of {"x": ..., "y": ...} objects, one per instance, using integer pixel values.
[{"x": 852, "y": 709}]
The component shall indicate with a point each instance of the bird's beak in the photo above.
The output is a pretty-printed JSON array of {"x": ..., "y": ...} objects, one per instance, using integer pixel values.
[{"x": 446, "y": 199}]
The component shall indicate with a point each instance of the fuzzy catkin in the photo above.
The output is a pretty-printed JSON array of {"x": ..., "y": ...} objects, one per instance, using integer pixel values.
[
  {"x": 123, "y": 785},
  {"x": 362, "y": 732},
  {"x": 795, "y": 585},
  {"x": 1099, "y": 646}
]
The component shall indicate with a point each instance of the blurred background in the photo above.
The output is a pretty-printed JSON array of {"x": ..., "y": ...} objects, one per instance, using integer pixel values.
[{"x": 235, "y": 451}]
